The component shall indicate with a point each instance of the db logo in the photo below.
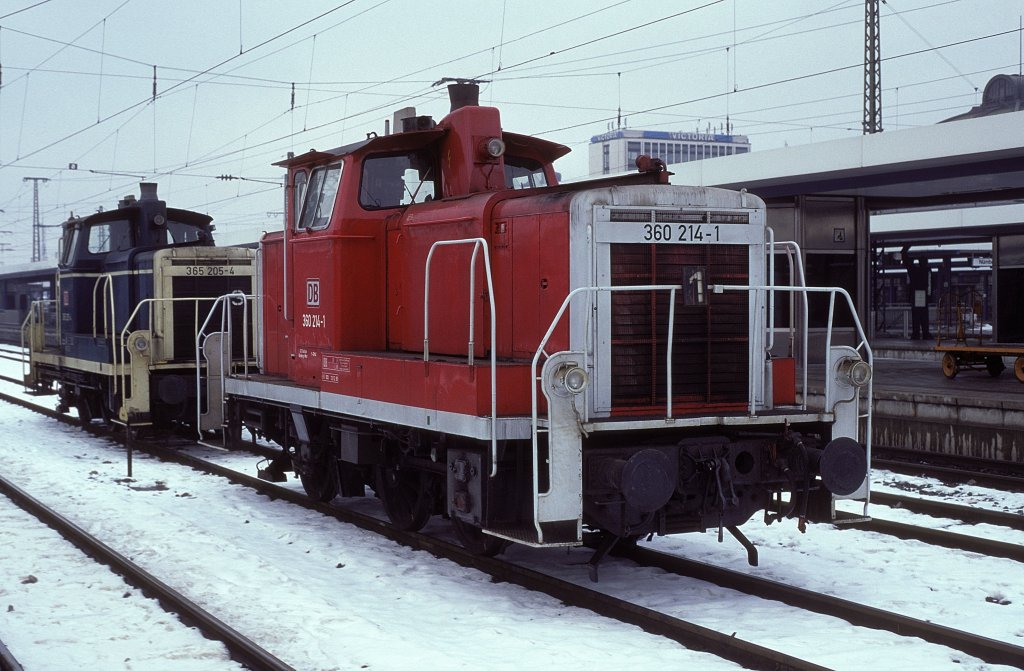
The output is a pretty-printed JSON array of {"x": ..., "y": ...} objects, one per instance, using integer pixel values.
[{"x": 313, "y": 293}]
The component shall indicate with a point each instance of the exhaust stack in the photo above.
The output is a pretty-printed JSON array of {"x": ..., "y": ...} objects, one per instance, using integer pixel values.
[{"x": 463, "y": 93}]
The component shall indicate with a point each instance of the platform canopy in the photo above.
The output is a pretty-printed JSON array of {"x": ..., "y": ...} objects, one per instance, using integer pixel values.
[{"x": 969, "y": 161}]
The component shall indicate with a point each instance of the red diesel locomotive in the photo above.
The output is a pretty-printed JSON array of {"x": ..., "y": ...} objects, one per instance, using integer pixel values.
[{"x": 445, "y": 323}]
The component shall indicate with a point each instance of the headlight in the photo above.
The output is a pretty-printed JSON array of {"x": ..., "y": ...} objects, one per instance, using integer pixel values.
[
  {"x": 855, "y": 372},
  {"x": 573, "y": 378},
  {"x": 494, "y": 147}
]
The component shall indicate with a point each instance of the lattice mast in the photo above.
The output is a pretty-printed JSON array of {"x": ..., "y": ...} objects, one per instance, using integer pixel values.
[
  {"x": 38, "y": 244},
  {"x": 872, "y": 69}
]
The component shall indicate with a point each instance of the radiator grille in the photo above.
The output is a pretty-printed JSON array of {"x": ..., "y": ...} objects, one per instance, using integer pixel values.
[
  {"x": 710, "y": 348},
  {"x": 185, "y": 311}
]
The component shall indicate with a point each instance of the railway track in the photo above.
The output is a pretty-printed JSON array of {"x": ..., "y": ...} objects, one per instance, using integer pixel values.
[
  {"x": 240, "y": 648},
  {"x": 942, "y": 538},
  {"x": 953, "y": 511},
  {"x": 1002, "y": 475},
  {"x": 996, "y": 652},
  {"x": 9, "y": 356},
  {"x": 937, "y": 537},
  {"x": 688, "y": 634},
  {"x": 946, "y": 539},
  {"x": 8, "y": 662}
]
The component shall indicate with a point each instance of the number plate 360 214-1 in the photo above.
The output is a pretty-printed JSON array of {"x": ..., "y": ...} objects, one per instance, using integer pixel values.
[{"x": 677, "y": 233}]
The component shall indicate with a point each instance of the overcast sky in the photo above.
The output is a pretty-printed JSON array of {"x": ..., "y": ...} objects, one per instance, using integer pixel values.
[{"x": 77, "y": 83}]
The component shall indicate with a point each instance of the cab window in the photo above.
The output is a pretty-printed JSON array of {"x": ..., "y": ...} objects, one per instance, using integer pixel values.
[
  {"x": 397, "y": 179},
  {"x": 70, "y": 242},
  {"x": 110, "y": 236},
  {"x": 523, "y": 173},
  {"x": 318, "y": 203},
  {"x": 180, "y": 233},
  {"x": 298, "y": 193}
]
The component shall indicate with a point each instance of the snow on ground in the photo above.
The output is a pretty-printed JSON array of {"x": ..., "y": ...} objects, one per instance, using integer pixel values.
[
  {"x": 62, "y": 610},
  {"x": 318, "y": 594},
  {"x": 323, "y": 595}
]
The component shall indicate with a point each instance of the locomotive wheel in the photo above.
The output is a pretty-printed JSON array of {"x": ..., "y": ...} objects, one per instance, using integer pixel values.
[
  {"x": 319, "y": 477},
  {"x": 319, "y": 485},
  {"x": 406, "y": 495},
  {"x": 950, "y": 366},
  {"x": 994, "y": 365},
  {"x": 476, "y": 541},
  {"x": 84, "y": 412},
  {"x": 1018, "y": 368}
]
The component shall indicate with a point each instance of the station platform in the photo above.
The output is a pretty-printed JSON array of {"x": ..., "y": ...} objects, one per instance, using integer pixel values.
[{"x": 917, "y": 407}]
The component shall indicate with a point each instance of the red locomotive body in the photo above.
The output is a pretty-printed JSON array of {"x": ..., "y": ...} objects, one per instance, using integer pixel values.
[{"x": 444, "y": 322}]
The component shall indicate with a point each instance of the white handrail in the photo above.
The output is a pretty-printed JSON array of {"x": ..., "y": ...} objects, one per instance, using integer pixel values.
[
  {"x": 862, "y": 337},
  {"x": 770, "y": 342},
  {"x": 671, "y": 288},
  {"x": 477, "y": 243},
  {"x": 225, "y": 327},
  {"x": 793, "y": 254},
  {"x": 148, "y": 303}
]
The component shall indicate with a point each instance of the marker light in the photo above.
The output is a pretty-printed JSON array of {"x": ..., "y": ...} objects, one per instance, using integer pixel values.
[
  {"x": 574, "y": 379},
  {"x": 494, "y": 147},
  {"x": 854, "y": 372}
]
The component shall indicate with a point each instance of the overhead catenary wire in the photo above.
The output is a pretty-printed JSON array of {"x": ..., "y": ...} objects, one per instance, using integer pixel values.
[
  {"x": 788, "y": 80},
  {"x": 851, "y": 66},
  {"x": 346, "y": 118}
]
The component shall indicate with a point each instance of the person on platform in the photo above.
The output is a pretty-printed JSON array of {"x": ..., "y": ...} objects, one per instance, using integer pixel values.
[{"x": 919, "y": 278}]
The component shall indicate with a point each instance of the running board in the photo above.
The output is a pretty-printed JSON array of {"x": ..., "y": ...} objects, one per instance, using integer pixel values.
[{"x": 556, "y": 534}]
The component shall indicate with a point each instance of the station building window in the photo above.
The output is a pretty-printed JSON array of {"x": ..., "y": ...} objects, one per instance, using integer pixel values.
[{"x": 632, "y": 153}]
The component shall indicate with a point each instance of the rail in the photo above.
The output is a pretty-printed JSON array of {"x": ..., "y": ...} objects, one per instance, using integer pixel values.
[
  {"x": 477, "y": 243},
  {"x": 241, "y": 648},
  {"x": 225, "y": 302}
]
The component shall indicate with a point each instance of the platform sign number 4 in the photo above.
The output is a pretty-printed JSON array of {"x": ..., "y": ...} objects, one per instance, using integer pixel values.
[
  {"x": 838, "y": 235},
  {"x": 313, "y": 293}
]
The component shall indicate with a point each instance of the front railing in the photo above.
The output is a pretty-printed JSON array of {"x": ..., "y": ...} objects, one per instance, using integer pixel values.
[
  {"x": 227, "y": 304},
  {"x": 863, "y": 348},
  {"x": 796, "y": 265},
  {"x": 146, "y": 306}
]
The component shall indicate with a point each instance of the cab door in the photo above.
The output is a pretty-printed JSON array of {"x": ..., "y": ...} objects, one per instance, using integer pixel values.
[{"x": 313, "y": 276}]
